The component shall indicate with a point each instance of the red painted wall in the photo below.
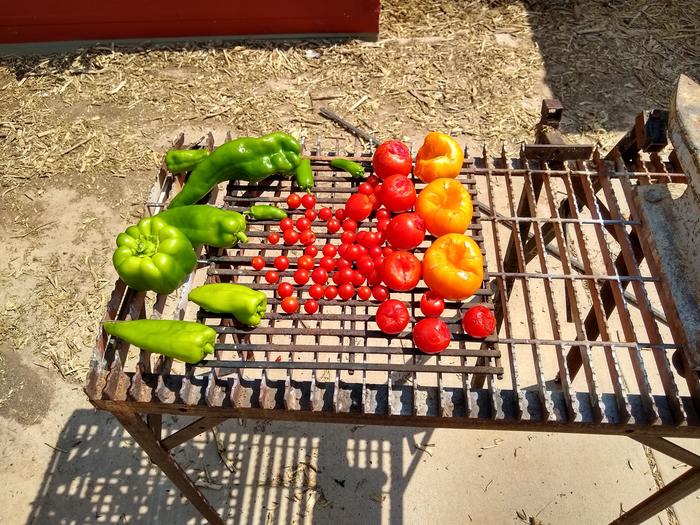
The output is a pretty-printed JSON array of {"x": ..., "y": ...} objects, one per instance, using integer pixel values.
[{"x": 54, "y": 20}]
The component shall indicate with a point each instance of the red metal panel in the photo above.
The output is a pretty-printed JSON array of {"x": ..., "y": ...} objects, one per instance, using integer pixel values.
[{"x": 48, "y": 20}]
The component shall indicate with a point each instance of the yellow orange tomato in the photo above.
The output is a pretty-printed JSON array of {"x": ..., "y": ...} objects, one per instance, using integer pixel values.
[
  {"x": 446, "y": 207},
  {"x": 453, "y": 266},
  {"x": 440, "y": 156}
]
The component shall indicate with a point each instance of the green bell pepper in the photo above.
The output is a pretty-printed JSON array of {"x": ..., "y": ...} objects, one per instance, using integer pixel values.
[
  {"x": 264, "y": 212},
  {"x": 353, "y": 168},
  {"x": 245, "y": 304},
  {"x": 250, "y": 159},
  {"x": 153, "y": 255},
  {"x": 203, "y": 224},
  {"x": 184, "y": 340},
  {"x": 178, "y": 160},
  {"x": 304, "y": 175}
]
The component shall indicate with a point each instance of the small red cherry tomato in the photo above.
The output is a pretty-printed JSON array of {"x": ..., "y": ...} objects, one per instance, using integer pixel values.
[
  {"x": 337, "y": 278},
  {"x": 333, "y": 225},
  {"x": 364, "y": 292},
  {"x": 303, "y": 224},
  {"x": 374, "y": 277},
  {"x": 342, "y": 263},
  {"x": 281, "y": 263},
  {"x": 380, "y": 293},
  {"x": 365, "y": 188},
  {"x": 272, "y": 276},
  {"x": 257, "y": 262},
  {"x": 365, "y": 265},
  {"x": 345, "y": 275},
  {"x": 357, "y": 278},
  {"x": 286, "y": 224},
  {"x": 348, "y": 237},
  {"x": 387, "y": 250},
  {"x": 307, "y": 237},
  {"x": 291, "y": 236},
  {"x": 405, "y": 231},
  {"x": 285, "y": 289},
  {"x": 349, "y": 225},
  {"x": 376, "y": 198},
  {"x": 325, "y": 213},
  {"x": 373, "y": 180},
  {"x": 431, "y": 335},
  {"x": 353, "y": 252},
  {"x": 319, "y": 276},
  {"x": 330, "y": 250},
  {"x": 327, "y": 263},
  {"x": 305, "y": 262},
  {"x": 330, "y": 292},
  {"x": 301, "y": 276},
  {"x": 479, "y": 321},
  {"x": 340, "y": 214},
  {"x": 346, "y": 291},
  {"x": 316, "y": 291},
  {"x": 382, "y": 225},
  {"x": 308, "y": 201},
  {"x": 342, "y": 249},
  {"x": 383, "y": 214},
  {"x": 293, "y": 201},
  {"x": 311, "y": 306},
  {"x": 374, "y": 251},
  {"x": 290, "y": 305},
  {"x": 368, "y": 240},
  {"x": 431, "y": 304},
  {"x": 392, "y": 317},
  {"x": 311, "y": 251},
  {"x": 310, "y": 214},
  {"x": 273, "y": 238}
]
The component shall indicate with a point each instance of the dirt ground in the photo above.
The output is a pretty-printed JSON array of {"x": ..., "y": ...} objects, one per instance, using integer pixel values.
[{"x": 82, "y": 133}]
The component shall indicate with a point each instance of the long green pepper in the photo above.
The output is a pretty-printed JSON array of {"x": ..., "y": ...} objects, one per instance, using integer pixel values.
[
  {"x": 203, "y": 224},
  {"x": 263, "y": 212},
  {"x": 247, "y": 305},
  {"x": 305, "y": 175},
  {"x": 353, "y": 168}
]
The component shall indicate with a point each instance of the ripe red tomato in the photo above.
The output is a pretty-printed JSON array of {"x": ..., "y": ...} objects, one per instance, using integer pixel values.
[
  {"x": 293, "y": 201},
  {"x": 431, "y": 335},
  {"x": 311, "y": 306},
  {"x": 357, "y": 278},
  {"x": 365, "y": 265},
  {"x": 311, "y": 251},
  {"x": 308, "y": 201},
  {"x": 333, "y": 225},
  {"x": 346, "y": 291},
  {"x": 401, "y": 271},
  {"x": 392, "y": 156},
  {"x": 387, "y": 250},
  {"x": 286, "y": 224},
  {"x": 342, "y": 249},
  {"x": 479, "y": 321},
  {"x": 382, "y": 225},
  {"x": 392, "y": 317},
  {"x": 301, "y": 276},
  {"x": 290, "y": 305},
  {"x": 349, "y": 225},
  {"x": 383, "y": 214},
  {"x": 340, "y": 214},
  {"x": 365, "y": 188},
  {"x": 281, "y": 263},
  {"x": 330, "y": 250},
  {"x": 327, "y": 263},
  {"x": 316, "y": 291},
  {"x": 353, "y": 252},
  {"x": 303, "y": 224},
  {"x": 291, "y": 236},
  {"x": 285, "y": 289},
  {"x": 373, "y": 180},
  {"x": 405, "y": 231},
  {"x": 325, "y": 213},
  {"x": 364, "y": 293},
  {"x": 398, "y": 193},
  {"x": 307, "y": 237},
  {"x": 272, "y": 276},
  {"x": 310, "y": 214},
  {"x": 319, "y": 276},
  {"x": 374, "y": 251},
  {"x": 273, "y": 238},
  {"x": 347, "y": 237},
  {"x": 345, "y": 275},
  {"x": 305, "y": 262},
  {"x": 330, "y": 292},
  {"x": 374, "y": 277},
  {"x": 342, "y": 263},
  {"x": 380, "y": 293},
  {"x": 431, "y": 304},
  {"x": 257, "y": 262}
]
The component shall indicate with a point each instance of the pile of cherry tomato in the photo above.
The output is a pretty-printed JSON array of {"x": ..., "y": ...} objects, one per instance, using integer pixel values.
[{"x": 374, "y": 255}]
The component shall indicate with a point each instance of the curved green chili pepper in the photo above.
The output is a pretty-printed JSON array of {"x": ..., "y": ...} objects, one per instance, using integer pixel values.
[
  {"x": 249, "y": 159},
  {"x": 245, "y": 304},
  {"x": 184, "y": 340},
  {"x": 305, "y": 175},
  {"x": 178, "y": 160},
  {"x": 203, "y": 224},
  {"x": 264, "y": 212},
  {"x": 353, "y": 168}
]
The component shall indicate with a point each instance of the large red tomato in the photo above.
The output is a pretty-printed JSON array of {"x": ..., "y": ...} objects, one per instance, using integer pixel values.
[
  {"x": 392, "y": 316},
  {"x": 479, "y": 321},
  {"x": 431, "y": 335},
  {"x": 405, "y": 231},
  {"x": 358, "y": 207},
  {"x": 391, "y": 157},
  {"x": 398, "y": 193},
  {"x": 401, "y": 271}
]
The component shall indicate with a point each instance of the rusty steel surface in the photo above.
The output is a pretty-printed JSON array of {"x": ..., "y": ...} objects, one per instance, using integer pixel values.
[{"x": 564, "y": 271}]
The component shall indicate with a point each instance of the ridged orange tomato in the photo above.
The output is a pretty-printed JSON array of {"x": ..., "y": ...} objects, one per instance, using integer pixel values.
[
  {"x": 439, "y": 156},
  {"x": 446, "y": 207},
  {"x": 453, "y": 266}
]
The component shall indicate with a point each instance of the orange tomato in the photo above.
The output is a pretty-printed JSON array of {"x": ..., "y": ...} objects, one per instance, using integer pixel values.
[
  {"x": 440, "y": 156},
  {"x": 453, "y": 266},
  {"x": 446, "y": 207}
]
